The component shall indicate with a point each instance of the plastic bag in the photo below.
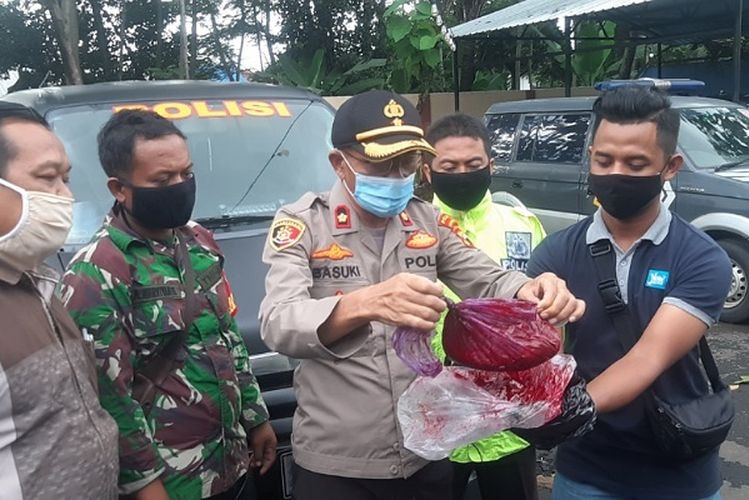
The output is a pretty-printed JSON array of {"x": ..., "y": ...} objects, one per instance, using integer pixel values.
[
  {"x": 577, "y": 417},
  {"x": 498, "y": 334},
  {"x": 461, "y": 405},
  {"x": 414, "y": 348}
]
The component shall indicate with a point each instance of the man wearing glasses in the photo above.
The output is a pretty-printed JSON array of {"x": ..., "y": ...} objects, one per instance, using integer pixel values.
[{"x": 346, "y": 269}]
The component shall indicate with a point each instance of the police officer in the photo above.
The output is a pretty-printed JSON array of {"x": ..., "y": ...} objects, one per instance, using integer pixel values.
[
  {"x": 460, "y": 176},
  {"x": 345, "y": 269}
]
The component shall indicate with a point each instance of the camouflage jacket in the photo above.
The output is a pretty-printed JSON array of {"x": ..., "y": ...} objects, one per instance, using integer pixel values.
[{"x": 127, "y": 293}]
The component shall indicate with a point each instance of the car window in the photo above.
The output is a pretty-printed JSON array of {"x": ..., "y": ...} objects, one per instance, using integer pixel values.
[
  {"x": 553, "y": 138},
  {"x": 249, "y": 157},
  {"x": 502, "y": 134},
  {"x": 711, "y": 137}
]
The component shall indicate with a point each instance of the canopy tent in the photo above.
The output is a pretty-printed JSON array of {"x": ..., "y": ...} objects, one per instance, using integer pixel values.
[{"x": 649, "y": 22}]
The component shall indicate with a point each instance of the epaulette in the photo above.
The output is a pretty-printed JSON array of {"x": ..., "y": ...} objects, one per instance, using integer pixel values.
[
  {"x": 304, "y": 203},
  {"x": 203, "y": 236}
]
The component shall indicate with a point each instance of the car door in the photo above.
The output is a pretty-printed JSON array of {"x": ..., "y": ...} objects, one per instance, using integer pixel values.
[{"x": 546, "y": 167}]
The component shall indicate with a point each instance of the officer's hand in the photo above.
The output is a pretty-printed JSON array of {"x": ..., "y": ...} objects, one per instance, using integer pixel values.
[
  {"x": 555, "y": 303},
  {"x": 407, "y": 300},
  {"x": 578, "y": 417},
  {"x": 262, "y": 441}
]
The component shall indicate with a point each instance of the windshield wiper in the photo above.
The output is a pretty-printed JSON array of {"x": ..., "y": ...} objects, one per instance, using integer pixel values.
[
  {"x": 273, "y": 155},
  {"x": 224, "y": 221},
  {"x": 733, "y": 164}
]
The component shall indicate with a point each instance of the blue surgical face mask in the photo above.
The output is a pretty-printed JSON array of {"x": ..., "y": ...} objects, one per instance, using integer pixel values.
[{"x": 383, "y": 197}]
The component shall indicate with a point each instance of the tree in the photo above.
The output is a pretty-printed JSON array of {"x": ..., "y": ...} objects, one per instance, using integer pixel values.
[
  {"x": 415, "y": 48},
  {"x": 102, "y": 40},
  {"x": 346, "y": 30},
  {"x": 65, "y": 19},
  {"x": 312, "y": 75}
]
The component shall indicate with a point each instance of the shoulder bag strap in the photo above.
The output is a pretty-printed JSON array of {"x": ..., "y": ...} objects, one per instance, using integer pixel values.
[{"x": 604, "y": 262}]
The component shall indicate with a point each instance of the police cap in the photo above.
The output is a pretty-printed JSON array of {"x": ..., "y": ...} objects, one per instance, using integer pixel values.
[{"x": 380, "y": 125}]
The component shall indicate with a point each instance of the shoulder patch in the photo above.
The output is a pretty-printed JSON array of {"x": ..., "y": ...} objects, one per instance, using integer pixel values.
[
  {"x": 232, "y": 304},
  {"x": 445, "y": 220},
  {"x": 285, "y": 232}
]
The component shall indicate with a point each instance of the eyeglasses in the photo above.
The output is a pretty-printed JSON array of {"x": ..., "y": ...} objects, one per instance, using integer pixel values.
[{"x": 406, "y": 165}]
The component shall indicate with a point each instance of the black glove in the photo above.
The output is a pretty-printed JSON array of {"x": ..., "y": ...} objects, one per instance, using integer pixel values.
[{"x": 577, "y": 418}]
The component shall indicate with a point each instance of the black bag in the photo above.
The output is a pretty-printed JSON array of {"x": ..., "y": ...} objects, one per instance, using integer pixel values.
[{"x": 682, "y": 431}]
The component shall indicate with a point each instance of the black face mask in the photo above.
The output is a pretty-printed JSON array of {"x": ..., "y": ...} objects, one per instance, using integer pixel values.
[
  {"x": 625, "y": 196},
  {"x": 166, "y": 207},
  {"x": 462, "y": 191}
]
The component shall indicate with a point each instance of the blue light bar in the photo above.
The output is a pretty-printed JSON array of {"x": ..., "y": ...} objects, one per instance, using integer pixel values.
[{"x": 670, "y": 85}]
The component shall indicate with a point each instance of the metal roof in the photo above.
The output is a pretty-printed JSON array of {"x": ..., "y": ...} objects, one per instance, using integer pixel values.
[
  {"x": 536, "y": 11},
  {"x": 653, "y": 20}
]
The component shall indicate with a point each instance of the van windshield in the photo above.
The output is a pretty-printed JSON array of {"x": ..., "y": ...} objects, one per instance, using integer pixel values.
[
  {"x": 250, "y": 157},
  {"x": 713, "y": 137}
]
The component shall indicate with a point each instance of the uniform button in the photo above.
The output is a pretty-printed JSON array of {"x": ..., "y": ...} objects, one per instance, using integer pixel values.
[
  {"x": 394, "y": 469},
  {"x": 397, "y": 446}
]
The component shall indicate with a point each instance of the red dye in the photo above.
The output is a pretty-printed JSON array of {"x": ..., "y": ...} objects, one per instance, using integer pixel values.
[{"x": 498, "y": 335}]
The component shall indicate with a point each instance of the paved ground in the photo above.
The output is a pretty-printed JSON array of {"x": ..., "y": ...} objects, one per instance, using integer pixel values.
[{"x": 730, "y": 345}]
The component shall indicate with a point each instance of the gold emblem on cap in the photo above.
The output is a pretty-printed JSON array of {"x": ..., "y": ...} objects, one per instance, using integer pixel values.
[{"x": 394, "y": 111}]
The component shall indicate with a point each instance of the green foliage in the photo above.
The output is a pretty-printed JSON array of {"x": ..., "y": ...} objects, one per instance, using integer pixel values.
[
  {"x": 593, "y": 61},
  {"x": 28, "y": 44},
  {"x": 312, "y": 75},
  {"x": 119, "y": 40},
  {"x": 490, "y": 80},
  {"x": 415, "y": 48},
  {"x": 167, "y": 73},
  {"x": 346, "y": 30}
]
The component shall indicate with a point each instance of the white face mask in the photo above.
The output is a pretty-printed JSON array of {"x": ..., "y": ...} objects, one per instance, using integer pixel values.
[{"x": 45, "y": 222}]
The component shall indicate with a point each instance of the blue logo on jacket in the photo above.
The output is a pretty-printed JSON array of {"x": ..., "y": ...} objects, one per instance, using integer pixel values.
[{"x": 657, "y": 279}]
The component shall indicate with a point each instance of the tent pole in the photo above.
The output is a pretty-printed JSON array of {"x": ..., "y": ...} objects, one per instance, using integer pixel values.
[{"x": 737, "y": 36}]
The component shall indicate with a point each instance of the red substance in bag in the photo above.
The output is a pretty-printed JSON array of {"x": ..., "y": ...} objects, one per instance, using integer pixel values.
[
  {"x": 462, "y": 405},
  {"x": 545, "y": 382},
  {"x": 498, "y": 335}
]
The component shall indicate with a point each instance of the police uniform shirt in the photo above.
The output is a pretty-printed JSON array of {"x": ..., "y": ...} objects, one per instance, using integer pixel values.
[{"x": 345, "y": 423}]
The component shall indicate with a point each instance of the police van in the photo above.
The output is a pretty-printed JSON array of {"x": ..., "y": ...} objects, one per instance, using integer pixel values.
[
  {"x": 540, "y": 150},
  {"x": 254, "y": 147}
]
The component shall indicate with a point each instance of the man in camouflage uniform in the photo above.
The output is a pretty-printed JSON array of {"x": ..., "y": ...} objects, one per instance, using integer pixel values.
[{"x": 127, "y": 289}]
